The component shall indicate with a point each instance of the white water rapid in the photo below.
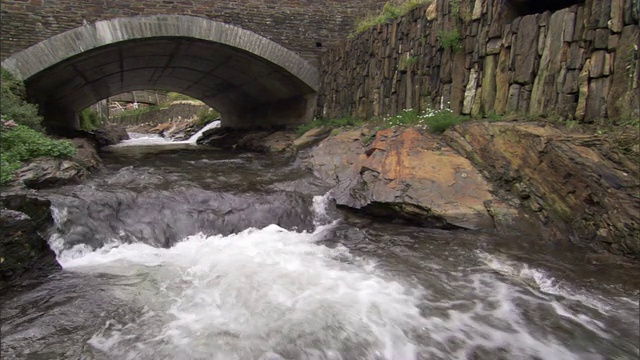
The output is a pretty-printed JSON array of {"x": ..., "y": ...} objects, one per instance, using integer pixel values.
[{"x": 137, "y": 139}]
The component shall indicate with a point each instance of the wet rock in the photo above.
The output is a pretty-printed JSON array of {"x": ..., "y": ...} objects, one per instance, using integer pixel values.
[
  {"x": 336, "y": 159},
  {"x": 577, "y": 187},
  {"x": 409, "y": 175},
  {"x": 109, "y": 135},
  {"x": 311, "y": 138},
  {"x": 24, "y": 253},
  {"x": 86, "y": 153},
  {"x": 262, "y": 141},
  {"x": 45, "y": 172}
]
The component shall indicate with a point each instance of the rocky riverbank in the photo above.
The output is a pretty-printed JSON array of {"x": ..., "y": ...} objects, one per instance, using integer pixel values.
[
  {"x": 25, "y": 216},
  {"x": 534, "y": 180}
]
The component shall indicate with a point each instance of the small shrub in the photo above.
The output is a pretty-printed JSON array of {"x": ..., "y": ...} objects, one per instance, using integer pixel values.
[
  {"x": 174, "y": 96},
  {"x": 435, "y": 121},
  {"x": 89, "y": 120},
  {"x": 389, "y": 12},
  {"x": 20, "y": 143},
  {"x": 450, "y": 39},
  {"x": 206, "y": 116},
  {"x": 13, "y": 105},
  {"x": 406, "y": 62}
]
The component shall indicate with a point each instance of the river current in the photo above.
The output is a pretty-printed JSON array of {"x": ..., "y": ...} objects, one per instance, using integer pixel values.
[{"x": 176, "y": 252}]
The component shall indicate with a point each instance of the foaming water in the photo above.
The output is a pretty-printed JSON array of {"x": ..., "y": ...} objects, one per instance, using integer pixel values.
[
  {"x": 137, "y": 139},
  {"x": 261, "y": 293},
  {"x": 178, "y": 256}
]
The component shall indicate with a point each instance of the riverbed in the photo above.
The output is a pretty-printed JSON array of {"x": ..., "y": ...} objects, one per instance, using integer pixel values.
[{"x": 172, "y": 251}]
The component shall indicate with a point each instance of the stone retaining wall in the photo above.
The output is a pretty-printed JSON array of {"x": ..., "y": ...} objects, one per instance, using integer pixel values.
[
  {"x": 483, "y": 57},
  {"x": 174, "y": 112}
]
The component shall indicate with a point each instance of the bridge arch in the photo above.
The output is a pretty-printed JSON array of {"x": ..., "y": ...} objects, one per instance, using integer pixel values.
[{"x": 251, "y": 80}]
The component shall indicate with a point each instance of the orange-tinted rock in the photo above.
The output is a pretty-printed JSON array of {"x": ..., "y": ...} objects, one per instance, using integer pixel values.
[{"x": 405, "y": 174}]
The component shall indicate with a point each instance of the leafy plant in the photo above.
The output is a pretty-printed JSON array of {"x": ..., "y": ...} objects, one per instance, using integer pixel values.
[
  {"x": 450, "y": 39},
  {"x": 206, "y": 116},
  {"x": 174, "y": 96},
  {"x": 455, "y": 8},
  {"x": 20, "y": 143},
  {"x": 13, "y": 105},
  {"x": 89, "y": 120},
  {"x": 435, "y": 121},
  {"x": 406, "y": 62}
]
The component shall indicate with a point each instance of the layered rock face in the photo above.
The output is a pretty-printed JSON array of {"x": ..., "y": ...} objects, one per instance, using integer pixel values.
[{"x": 579, "y": 187}]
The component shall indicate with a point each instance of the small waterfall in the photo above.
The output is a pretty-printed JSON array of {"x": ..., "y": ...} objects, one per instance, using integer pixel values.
[{"x": 193, "y": 139}]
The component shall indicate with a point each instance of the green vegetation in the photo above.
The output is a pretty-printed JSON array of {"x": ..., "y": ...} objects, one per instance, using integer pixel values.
[
  {"x": 13, "y": 106},
  {"x": 174, "y": 96},
  {"x": 206, "y": 116},
  {"x": 140, "y": 110},
  {"x": 389, "y": 12},
  {"x": 21, "y": 136},
  {"x": 89, "y": 120},
  {"x": 406, "y": 62},
  {"x": 435, "y": 121},
  {"x": 450, "y": 39},
  {"x": 331, "y": 123},
  {"x": 20, "y": 143}
]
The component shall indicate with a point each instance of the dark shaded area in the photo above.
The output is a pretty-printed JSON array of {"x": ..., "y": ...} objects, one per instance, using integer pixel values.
[
  {"x": 230, "y": 80},
  {"x": 527, "y": 7},
  {"x": 25, "y": 253}
]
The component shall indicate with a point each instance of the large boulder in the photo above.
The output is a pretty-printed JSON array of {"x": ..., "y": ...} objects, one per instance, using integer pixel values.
[
  {"x": 410, "y": 175},
  {"x": 86, "y": 153},
  {"x": 109, "y": 135},
  {"x": 262, "y": 141},
  {"x": 579, "y": 187},
  {"x": 23, "y": 251},
  {"x": 44, "y": 172}
]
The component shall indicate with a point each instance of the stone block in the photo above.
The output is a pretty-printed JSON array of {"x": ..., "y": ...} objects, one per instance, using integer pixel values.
[
  {"x": 512, "y": 100},
  {"x": 489, "y": 83},
  {"x": 597, "y": 99},
  {"x": 567, "y": 104},
  {"x": 526, "y": 50},
  {"x": 569, "y": 26},
  {"x": 543, "y": 94},
  {"x": 575, "y": 58},
  {"x": 524, "y": 100},
  {"x": 570, "y": 85},
  {"x": 542, "y": 39},
  {"x": 502, "y": 83},
  {"x": 624, "y": 96},
  {"x": 612, "y": 44},
  {"x": 601, "y": 39},
  {"x": 476, "y": 108},
  {"x": 583, "y": 91},
  {"x": 617, "y": 16},
  {"x": 598, "y": 59},
  {"x": 493, "y": 46},
  {"x": 470, "y": 92}
]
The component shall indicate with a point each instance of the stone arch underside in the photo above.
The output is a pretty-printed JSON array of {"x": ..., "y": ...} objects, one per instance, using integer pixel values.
[{"x": 251, "y": 80}]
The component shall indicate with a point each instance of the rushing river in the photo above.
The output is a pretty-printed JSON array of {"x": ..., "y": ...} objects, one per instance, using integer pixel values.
[{"x": 190, "y": 253}]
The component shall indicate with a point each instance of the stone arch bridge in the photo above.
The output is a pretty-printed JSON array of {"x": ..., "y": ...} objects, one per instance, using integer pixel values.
[{"x": 254, "y": 61}]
